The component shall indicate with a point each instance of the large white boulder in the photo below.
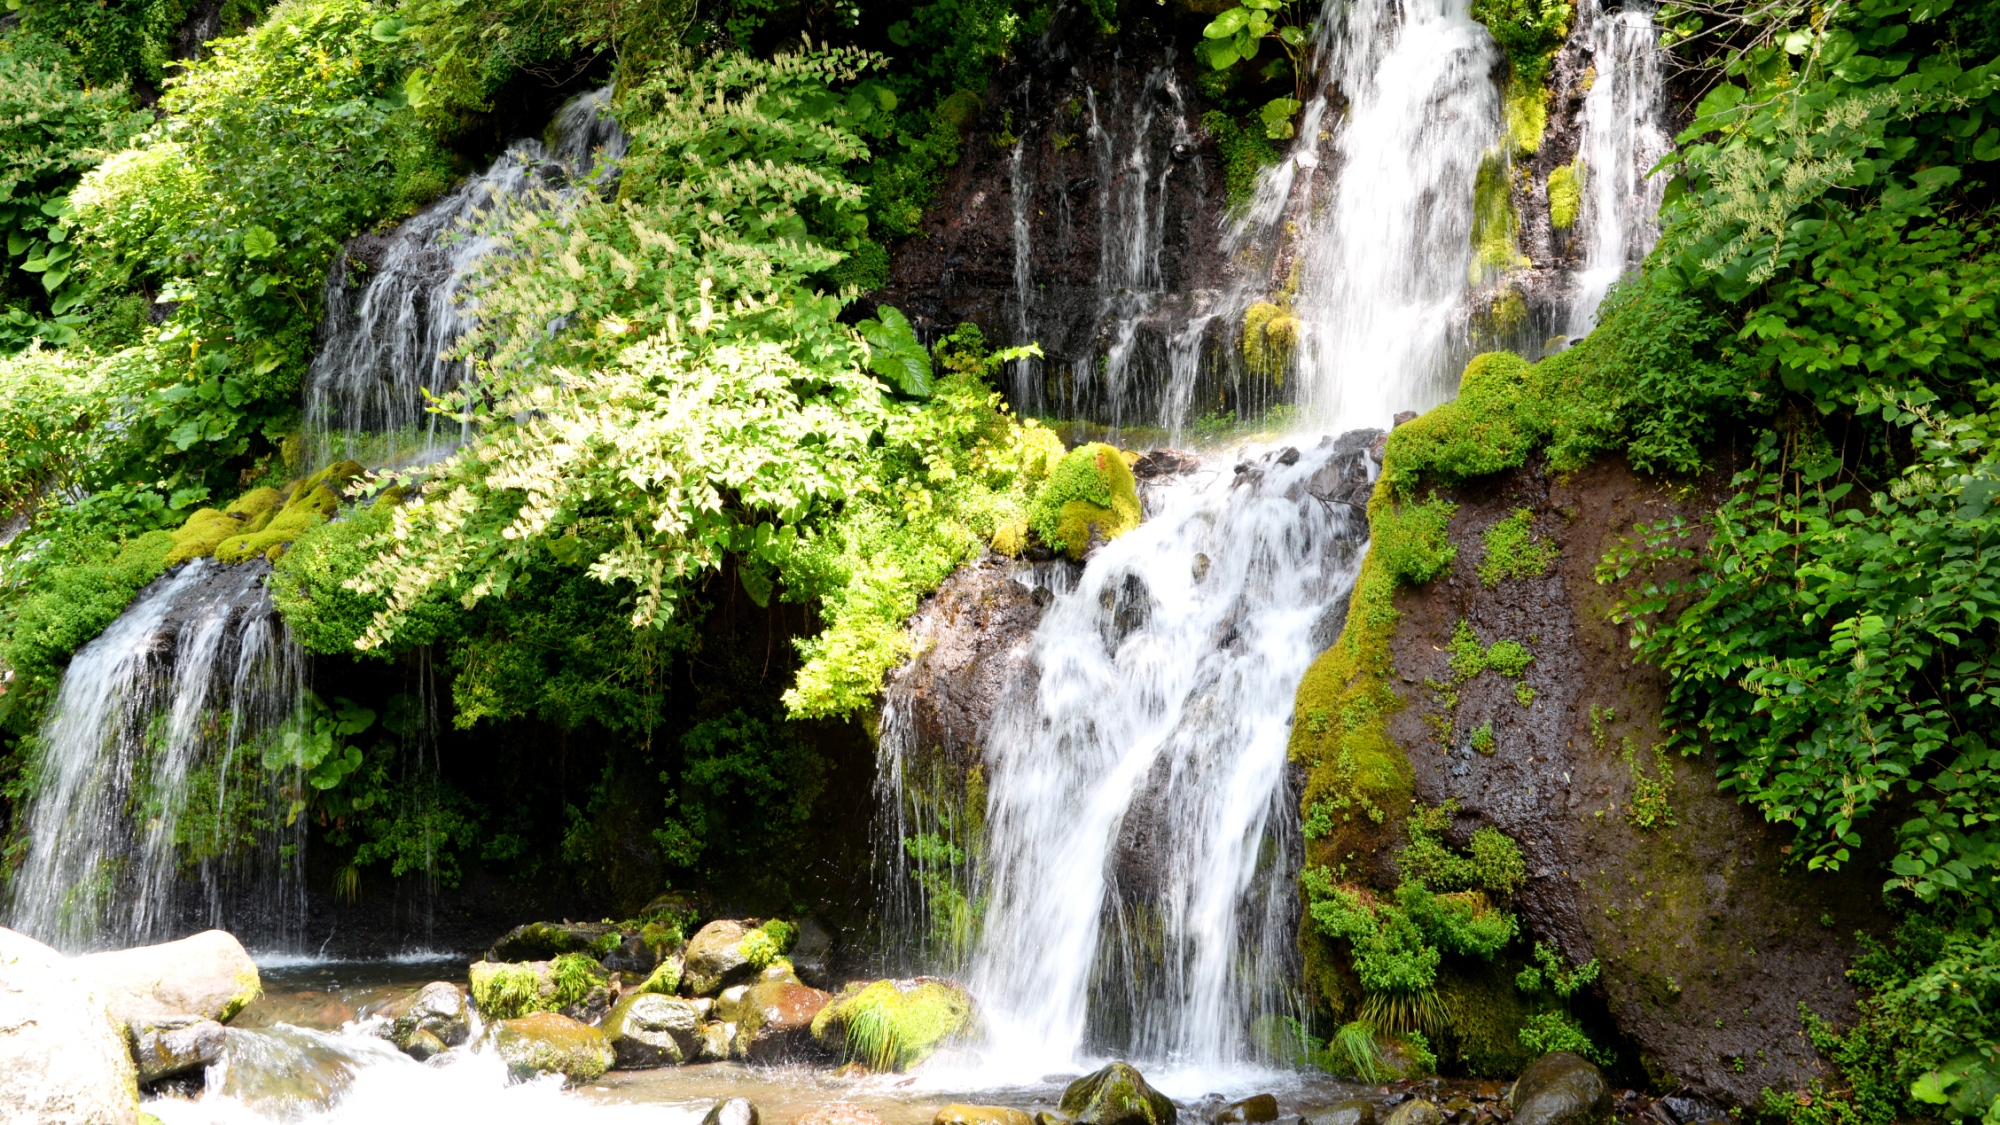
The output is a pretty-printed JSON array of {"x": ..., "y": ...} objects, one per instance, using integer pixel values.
[
  {"x": 64, "y": 1059},
  {"x": 208, "y": 975}
]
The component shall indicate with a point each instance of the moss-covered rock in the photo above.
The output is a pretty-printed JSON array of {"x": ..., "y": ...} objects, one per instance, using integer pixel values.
[
  {"x": 1091, "y": 490},
  {"x": 647, "y": 1030},
  {"x": 263, "y": 521},
  {"x": 892, "y": 1024},
  {"x": 1496, "y": 226},
  {"x": 437, "y": 1010},
  {"x": 1565, "y": 195},
  {"x": 721, "y": 954},
  {"x": 1116, "y": 1095},
  {"x": 1561, "y": 1089},
  {"x": 1270, "y": 333},
  {"x": 552, "y": 1043},
  {"x": 545, "y": 941},
  {"x": 571, "y": 982}
]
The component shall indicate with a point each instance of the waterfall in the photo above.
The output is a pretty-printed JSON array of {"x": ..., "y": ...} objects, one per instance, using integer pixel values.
[
  {"x": 152, "y": 812},
  {"x": 149, "y": 756},
  {"x": 1384, "y": 269},
  {"x": 1137, "y": 864},
  {"x": 1624, "y": 135},
  {"x": 396, "y": 304}
]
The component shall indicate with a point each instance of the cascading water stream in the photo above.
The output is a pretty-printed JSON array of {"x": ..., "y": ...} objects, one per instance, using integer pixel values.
[
  {"x": 1624, "y": 135},
  {"x": 385, "y": 346},
  {"x": 1384, "y": 270},
  {"x": 1135, "y": 870},
  {"x": 145, "y": 759}
]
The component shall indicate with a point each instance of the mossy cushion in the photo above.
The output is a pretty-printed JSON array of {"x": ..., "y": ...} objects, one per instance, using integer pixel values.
[
  {"x": 263, "y": 521},
  {"x": 1092, "y": 487}
]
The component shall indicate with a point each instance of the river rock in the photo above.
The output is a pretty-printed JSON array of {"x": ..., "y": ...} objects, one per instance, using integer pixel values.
[
  {"x": 289, "y": 1073},
  {"x": 715, "y": 958},
  {"x": 439, "y": 1011},
  {"x": 1416, "y": 1111},
  {"x": 717, "y": 1038},
  {"x": 1253, "y": 1110},
  {"x": 422, "y": 1046},
  {"x": 902, "y": 1021},
  {"x": 65, "y": 1056},
  {"x": 981, "y": 1115},
  {"x": 1354, "y": 1111},
  {"x": 732, "y": 1111},
  {"x": 174, "y": 1045},
  {"x": 552, "y": 1043},
  {"x": 1561, "y": 1089},
  {"x": 546, "y": 941},
  {"x": 777, "y": 1020},
  {"x": 811, "y": 954},
  {"x": 1116, "y": 1095},
  {"x": 207, "y": 975},
  {"x": 647, "y": 1029}
]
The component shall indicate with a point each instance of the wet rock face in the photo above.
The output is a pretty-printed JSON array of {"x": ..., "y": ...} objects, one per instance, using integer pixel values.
[
  {"x": 1115, "y": 186},
  {"x": 971, "y": 647},
  {"x": 1116, "y": 1095},
  {"x": 439, "y": 1012},
  {"x": 166, "y": 1047},
  {"x": 1561, "y": 1089},
  {"x": 545, "y": 941},
  {"x": 1709, "y": 943}
]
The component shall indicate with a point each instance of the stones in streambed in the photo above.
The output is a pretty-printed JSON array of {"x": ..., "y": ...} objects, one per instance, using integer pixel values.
[
  {"x": 1254, "y": 1110},
  {"x": 727, "y": 952},
  {"x": 435, "y": 1019},
  {"x": 165, "y": 1047},
  {"x": 552, "y": 1043},
  {"x": 572, "y": 983},
  {"x": 732, "y": 1111},
  {"x": 1416, "y": 1111},
  {"x": 1560, "y": 1089},
  {"x": 288, "y": 1073},
  {"x": 208, "y": 975},
  {"x": 1116, "y": 1095},
  {"x": 647, "y": 1029},
  {"x": 65, "y": 1056},
  {"x": 1353, "y": 1111},
  {"x": 892, "y": 1024},
  {"x": 837, "y": 1113},
  {"x": 773, "y": 1017},
  {"x": 981, "y": 1115}
]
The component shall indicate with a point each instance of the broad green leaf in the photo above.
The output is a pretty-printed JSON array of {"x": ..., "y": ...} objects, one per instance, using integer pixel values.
[
  {"x": 259, "y": 242},
  {"x": 1227, "y": 24},
  {"x": 895, "y": 354}
]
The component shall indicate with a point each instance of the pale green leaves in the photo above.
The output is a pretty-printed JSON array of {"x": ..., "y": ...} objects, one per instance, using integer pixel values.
[
  {"x": 1234, "y": 34},
  {"x": 259, "y": 243},
  {"x": 895, "y": 353},
  {"x": 1277, "y": 117}
]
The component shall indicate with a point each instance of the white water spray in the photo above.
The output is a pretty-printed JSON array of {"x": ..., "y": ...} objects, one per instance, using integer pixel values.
[
  {"x": 1135, "y": 869},
  {"x": 1624, "y": 135}
]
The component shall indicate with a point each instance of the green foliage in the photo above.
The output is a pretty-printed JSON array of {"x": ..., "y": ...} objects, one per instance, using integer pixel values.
[
  {"x": 1237, "y": 34},
  {"x": 1443, "y": 906},
  {"x": 1496, "y": 225},
  {"x": 1554, "y": 1028},
  {"x": 1513, "y": 552},
  {"x": 52, "y": 130},
  {"x": 1651, "y": 794},
  {"x": 85, "y": 586},
  {"x": 1530, "y": 31},
  {"x": 1412, "y": 538},
  {"x": 116, "y": 43},
  {"x": 664, "y": 979},
  {"x": 744, "y": 782},
  {"x": 1566, "y": 195},
  {"x": 758, "y": 948},
  {"x": 1355, "y": 1041},
  {"x": 1245, "y": 155},
  {"x": 781, "y": 933},
  {"x": 1557, "y": 1030},
  {"x": 506, "y": 991}
]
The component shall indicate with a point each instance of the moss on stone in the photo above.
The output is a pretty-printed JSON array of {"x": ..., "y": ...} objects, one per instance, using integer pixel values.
[
  {"x": 548, "y": 1043},
  {"x": 1092, "y": 488},
  {"x": 1359, "y": 777},
  {"x": 1482, "y": 431},
  {"x": 509, "y": 989},
  {"x": 891, "y": 1024},
  {"x": 1496, "y": 226},
  {"x": 1486, "y": 1013},
  {"x": 1512, "y": 551},
  {"x": 263, "y": 521},
  {"x": 1565, "y": 195},
  {"x": 197, "y": 538},
  {"x": 1270, "y": 333},
  {"x": 1527, "y": 115}
]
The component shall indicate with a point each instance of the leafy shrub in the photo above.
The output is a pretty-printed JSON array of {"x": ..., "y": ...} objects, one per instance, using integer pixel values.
[{"x": 1092, "y": 488}]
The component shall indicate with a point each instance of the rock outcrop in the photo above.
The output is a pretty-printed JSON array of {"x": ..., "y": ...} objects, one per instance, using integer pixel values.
[
  {"x": 647, "y": 1029},
  {"x": 1116, "y": 1095},
  {"x": 552, "y": 1043}
]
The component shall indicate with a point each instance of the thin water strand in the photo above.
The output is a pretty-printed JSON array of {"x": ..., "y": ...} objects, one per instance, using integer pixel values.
[{"x": 1624, "y": 135}]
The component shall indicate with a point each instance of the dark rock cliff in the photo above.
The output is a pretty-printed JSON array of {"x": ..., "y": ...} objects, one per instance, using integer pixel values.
[{"x": 1710, "y": 939}]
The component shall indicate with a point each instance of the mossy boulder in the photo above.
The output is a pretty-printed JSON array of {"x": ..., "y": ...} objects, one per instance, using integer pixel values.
[
  {"x": 1270, "y": 334},
  {"x": 716, "y": 958},
  {"x": 263, "y": 521},
  {"x": 552, "y": 1043},
  {"x": 774, "y": 1020},
  {"x": 647, "y": 1029},
  {"x": 1561, "y": 1089},
  {"x": 1116, "y": 1095},
  {"x": 892, "y": 1024},
  {"x": 1416, "y": 1111},
  {"x": 545, "y": 941},
  {"x": 1254, "y": 1110},
  {"x": 570, "y": 983},
  {"x": 1091, "y": 491}
]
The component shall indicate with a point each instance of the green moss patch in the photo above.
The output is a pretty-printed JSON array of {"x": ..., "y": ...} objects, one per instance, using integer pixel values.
[
  {"x": 1512, "y": 551},
  {"x": 1270, "y": 333},
  {"x": 891, "y": 1024},
  {"x": 1092, "y": 488},
  {"x": 1565, "y": 195},
  {"x": 264, "y": 521}
]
